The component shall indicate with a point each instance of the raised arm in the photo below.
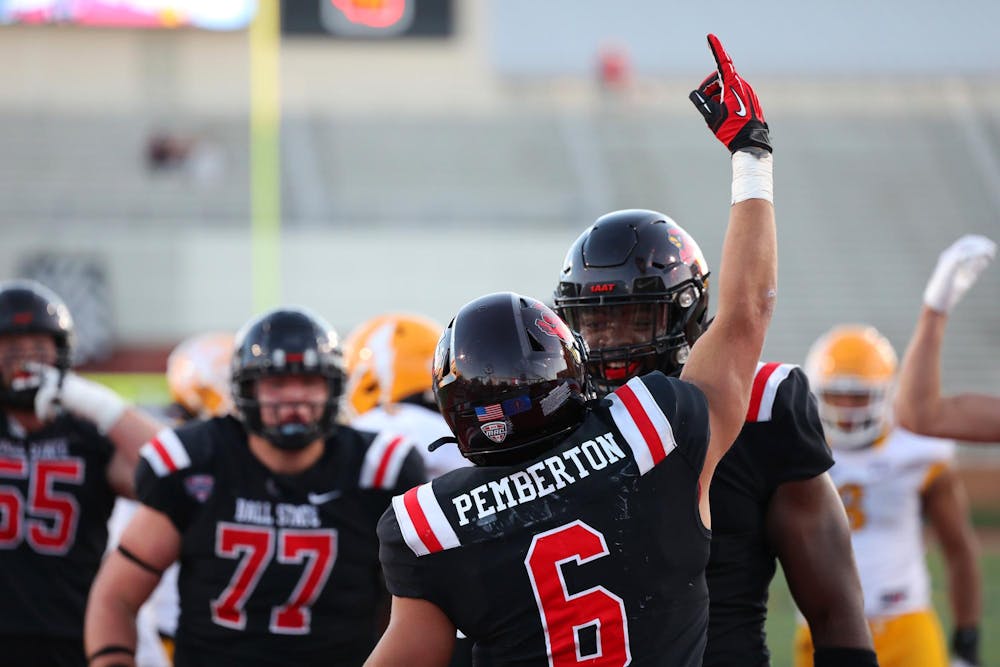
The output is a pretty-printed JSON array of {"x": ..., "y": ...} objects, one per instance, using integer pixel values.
[
  {"x": 919, "y": 405},
  {"x": 723, "y": 361},
  {"x": 946, "y": 506}
]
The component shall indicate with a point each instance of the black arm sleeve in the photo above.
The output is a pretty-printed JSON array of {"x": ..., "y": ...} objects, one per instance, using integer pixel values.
[{"x": 404, "y": 573}]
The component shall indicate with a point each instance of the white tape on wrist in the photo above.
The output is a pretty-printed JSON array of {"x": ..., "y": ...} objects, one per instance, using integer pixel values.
[
  {"x": 91, "y": 401},
  {"x": 753, "y": 176}
]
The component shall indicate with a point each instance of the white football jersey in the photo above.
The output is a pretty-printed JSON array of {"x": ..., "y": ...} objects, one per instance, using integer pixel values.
[
  {"x": 881, "y": 487},
  {"x": 419, "y": 424}
]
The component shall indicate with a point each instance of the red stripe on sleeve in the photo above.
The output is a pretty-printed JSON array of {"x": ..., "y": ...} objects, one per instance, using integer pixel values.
[
  {"x": 757, "y": 392},
  {"x": 419, "y": 519},
  {"x": 641, "y": 419},
  {"x": 164, "y": 455},
  {"x": 383, "y": 465}
]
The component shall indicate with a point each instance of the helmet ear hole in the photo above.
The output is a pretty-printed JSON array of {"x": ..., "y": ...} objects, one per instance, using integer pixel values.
[{"x": 536, "y": 345}]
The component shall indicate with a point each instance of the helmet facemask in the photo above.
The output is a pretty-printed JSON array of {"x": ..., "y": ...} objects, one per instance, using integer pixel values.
[
  {"x": 644, "y": 281},
  {"x": 287, "y": 343},
  {"x": 632, "y": 336},
  {"x": 852, "y": 371},
  {"x": 855, "y": 413},
  {"x": 19, "y": 382},
  {"x": 289, "y": 425},
  {"x": 28, "y": 308}
]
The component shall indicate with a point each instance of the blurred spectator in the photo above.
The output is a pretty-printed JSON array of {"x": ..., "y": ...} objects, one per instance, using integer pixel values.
[{"x": 202, "y": 159}]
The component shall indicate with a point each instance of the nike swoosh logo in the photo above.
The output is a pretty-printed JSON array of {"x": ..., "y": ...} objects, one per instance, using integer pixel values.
[
  {"x": 743, "y": 110},
  {"x": 321, "y": 498}
]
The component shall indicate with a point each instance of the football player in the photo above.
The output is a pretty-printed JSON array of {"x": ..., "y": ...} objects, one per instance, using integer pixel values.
[
  {"x": 198, "y": 377},
  {"x": 920, "y": 406},
  {"x": 888, "y": 478},
  {"x": 272, "y": 515},
  {"x": 581, "y": 535},
  {"x": 635, "y": 285},
  {"x": 198, "y": 381},
  {"x": 389, "y": 360},
  {"x": 67, "y": 447}
]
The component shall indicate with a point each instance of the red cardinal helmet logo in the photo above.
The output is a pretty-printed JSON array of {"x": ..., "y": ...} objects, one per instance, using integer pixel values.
[{"x": 551, "y": 325}]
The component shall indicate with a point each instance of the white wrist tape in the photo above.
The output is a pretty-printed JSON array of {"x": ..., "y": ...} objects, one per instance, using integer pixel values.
[
  {"x": 91, "y": 401},
  {"x": 752, "y": 177}
]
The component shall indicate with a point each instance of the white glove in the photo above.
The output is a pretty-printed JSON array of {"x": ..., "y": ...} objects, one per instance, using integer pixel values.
[
  {"x": 957, "y": 269},
  {"x": 82, "y": 397},
  {"x": 958, "y": 662}
]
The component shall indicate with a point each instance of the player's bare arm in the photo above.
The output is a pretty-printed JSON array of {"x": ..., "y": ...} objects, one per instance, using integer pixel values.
[
  {"x": 134, "y": 429},
  {"x": 808, "y": 529},
  {"x": 126, "y": 579},
  {"x": 919, "y": 405},
  {"x": 724, "y": 359},
  {"x": 419, "y": 634},
  {"x": 947, "y": 508}
]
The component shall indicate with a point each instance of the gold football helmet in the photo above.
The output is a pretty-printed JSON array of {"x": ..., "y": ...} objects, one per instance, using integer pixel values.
[
  {"x": 198, "y": 374},
  {"x": 389, "y": 359},
  {"x": 852, "y": 369}
]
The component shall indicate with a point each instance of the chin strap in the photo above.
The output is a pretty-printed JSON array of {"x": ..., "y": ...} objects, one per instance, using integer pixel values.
[{"x": 441, "y": 442}]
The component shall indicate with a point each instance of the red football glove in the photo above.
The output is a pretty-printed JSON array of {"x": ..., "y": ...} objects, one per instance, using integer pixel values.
[{"x": 730, "y": 106}]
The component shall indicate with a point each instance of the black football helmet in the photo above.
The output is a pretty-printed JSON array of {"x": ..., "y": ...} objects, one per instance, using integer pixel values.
[
  {"x": 28, "y": 307},
  {"x": 635, "y": 285},
  {"x": 509, "y": 378},
  {"x": 286, "y": 341}
]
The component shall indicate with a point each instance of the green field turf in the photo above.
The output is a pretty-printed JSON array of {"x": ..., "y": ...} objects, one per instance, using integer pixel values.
[
  {"x": 139, "y": 388},
  {"x": 781, "y": 612}
]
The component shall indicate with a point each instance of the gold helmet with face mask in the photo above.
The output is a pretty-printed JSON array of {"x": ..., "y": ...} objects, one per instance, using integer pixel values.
[
  {"x": 852, "y": 369},
  {"x": 389, "y": 359},
  {"x": 198, "y": 375}
]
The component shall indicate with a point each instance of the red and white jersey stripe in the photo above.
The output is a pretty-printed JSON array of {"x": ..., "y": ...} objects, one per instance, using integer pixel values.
[
  {"x": 422, "y": 521},
  {"x": 165, "y": 453},
  {"x": 642, "y": 423},
  {"x": 383, "y": 461},
  {"x": 765, "y": 388}
]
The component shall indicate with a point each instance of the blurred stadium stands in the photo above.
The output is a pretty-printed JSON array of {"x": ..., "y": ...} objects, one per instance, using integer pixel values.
[{"x": 416, "y": 176}]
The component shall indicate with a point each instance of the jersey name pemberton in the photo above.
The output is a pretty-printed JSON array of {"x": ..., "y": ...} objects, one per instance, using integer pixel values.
[{"x": 538, "y": 480}]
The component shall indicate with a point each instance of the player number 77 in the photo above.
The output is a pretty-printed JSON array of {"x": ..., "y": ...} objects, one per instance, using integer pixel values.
[
  {"x": 255, "y": 547},
  {"x": 566, "y": 615}
]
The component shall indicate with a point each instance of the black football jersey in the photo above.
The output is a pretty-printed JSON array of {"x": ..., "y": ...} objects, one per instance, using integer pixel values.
[
  {"x": 55, "y": 501},
  {"x": 591, "y": 553},
  {"x": 275, "y": 569},
  {"x": 782, "y": 441}
]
